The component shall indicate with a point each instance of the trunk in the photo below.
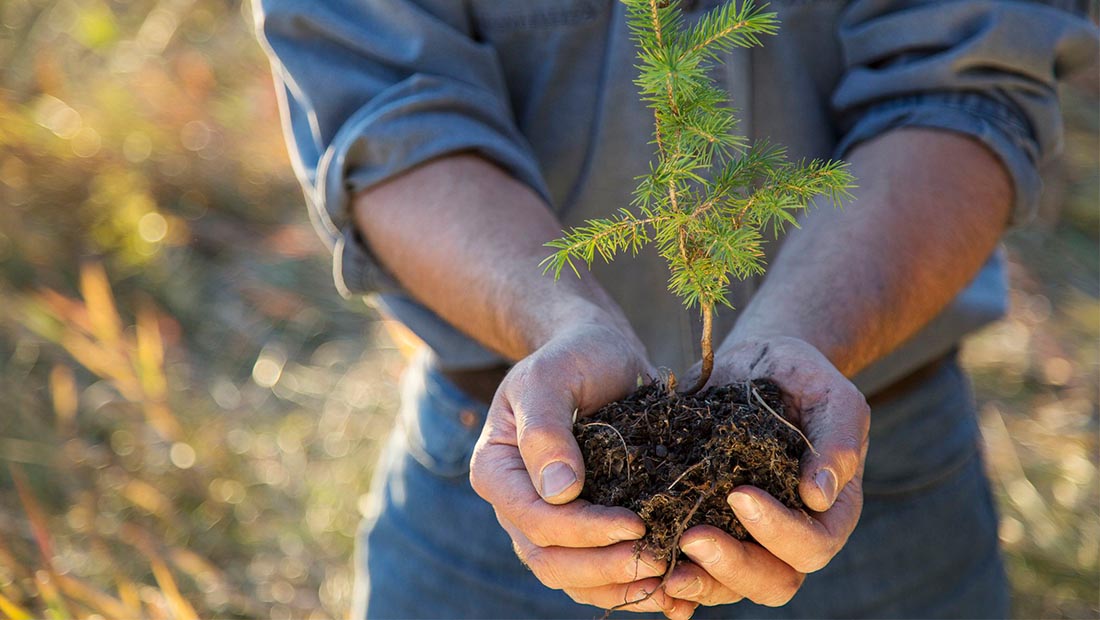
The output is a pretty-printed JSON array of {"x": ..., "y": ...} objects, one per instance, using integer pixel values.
[{"x": 708, "y": 351}]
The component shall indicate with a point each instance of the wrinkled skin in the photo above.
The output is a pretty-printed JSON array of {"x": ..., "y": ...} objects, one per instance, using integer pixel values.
[
  {"x": 528, "y": 466},
  {"x": 789, "y": 543},
  {"x": 587, "y": 550}
]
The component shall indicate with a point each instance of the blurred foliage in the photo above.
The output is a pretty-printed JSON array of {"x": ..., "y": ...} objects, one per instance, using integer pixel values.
[
  {"x": 1037, "y": 378},
  {"x": 190, "y": 413}
]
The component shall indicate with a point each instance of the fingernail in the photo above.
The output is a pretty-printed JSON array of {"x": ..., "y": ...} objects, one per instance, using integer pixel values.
[
  {"x": 695, "y": 588},
  {"x": 703, "y": 551},
  {"x": 745, "y": 506},
  {"x": 625, "y": 533},
  {"x": 826, "y": 481},
  {"x": 556, "y": 478}
]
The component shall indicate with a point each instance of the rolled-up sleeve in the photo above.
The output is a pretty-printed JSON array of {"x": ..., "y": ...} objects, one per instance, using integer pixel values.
[
  {"x": 985, "y": 68},
  {"x": 372, "y": 88}
]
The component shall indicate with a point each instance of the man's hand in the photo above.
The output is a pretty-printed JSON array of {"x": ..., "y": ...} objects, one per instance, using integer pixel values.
[
  {"x": 789, "y": 543},
  {"x": 845, "y": 289},
  {"x": 528, "y": 466}
]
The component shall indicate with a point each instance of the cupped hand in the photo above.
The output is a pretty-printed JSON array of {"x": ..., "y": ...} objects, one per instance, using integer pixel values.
[
  {"x": 528, "y": 466},
  {"x": 789, "y": 543}
]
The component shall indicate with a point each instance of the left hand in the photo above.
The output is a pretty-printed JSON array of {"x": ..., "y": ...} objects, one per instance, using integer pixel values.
[{"x": 789, "y": 543}]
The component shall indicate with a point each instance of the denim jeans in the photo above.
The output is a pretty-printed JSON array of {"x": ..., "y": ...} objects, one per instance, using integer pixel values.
[{"x": 926, "y": 544}]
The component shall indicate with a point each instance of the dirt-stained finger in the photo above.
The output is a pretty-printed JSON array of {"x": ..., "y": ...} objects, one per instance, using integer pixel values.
[
  {"x": 691, "y": 582},
  {"x": 746, "y": 568},
  {"x": 499, "y": 476},
  {"x": 562, "y": 567},
  {"x": 641, "y": 596},
  {"x": 807, "y": 542}
]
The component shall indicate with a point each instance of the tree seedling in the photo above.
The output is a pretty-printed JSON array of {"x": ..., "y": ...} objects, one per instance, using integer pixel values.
[
  {"x": 710, "y": 196},
  {"x": 706, "y": 203}
]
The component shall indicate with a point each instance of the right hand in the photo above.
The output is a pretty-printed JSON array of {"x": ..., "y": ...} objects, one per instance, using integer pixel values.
[{"x": 528, "y": 466}]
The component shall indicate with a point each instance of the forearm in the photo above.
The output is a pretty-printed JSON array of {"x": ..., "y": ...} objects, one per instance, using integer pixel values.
[
  {"x": 465, "y": 239},
  {"x": 930, "y": 209}
]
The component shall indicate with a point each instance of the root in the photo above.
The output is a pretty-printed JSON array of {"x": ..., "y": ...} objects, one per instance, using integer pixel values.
[
  {"x": 626, "y": 451},
  {"x": 783, "y": 420},
  {"x": 686, "y": 472},
  {"x": 675, "y": 555}
]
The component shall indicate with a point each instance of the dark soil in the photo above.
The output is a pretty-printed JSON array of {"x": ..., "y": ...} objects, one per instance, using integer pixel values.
[{"x": 674, "y": 459}]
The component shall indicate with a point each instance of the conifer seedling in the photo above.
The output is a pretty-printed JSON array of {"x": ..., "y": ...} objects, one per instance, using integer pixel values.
[
  {"x": 710, "y": 197},
  {"x": 707, "y": 203}
]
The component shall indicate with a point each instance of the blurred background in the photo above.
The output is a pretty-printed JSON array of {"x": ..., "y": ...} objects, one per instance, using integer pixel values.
[{"x": 189, "y": 412}]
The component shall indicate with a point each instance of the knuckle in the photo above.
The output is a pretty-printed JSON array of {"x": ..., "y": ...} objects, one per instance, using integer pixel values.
[
  {"x": 542, "y": 367},
  {"x": 846, "y": 454},
  {"x": 783, "y": 593},
  {"x": 857, "y": 403},
  {"x": 477, "y": 476},
  {"x": 521, "y": 374},
  {"x": 578, "y": 596},
  {"x": 540, "y": 435},
  {"x": 532, "y": 525},
  {"x": 536, "y": 535},
  {"x": 814, "y": 562},
  {"x": 544, "y": 568}
]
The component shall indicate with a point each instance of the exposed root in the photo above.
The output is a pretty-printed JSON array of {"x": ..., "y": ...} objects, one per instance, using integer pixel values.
[
  {"x": 675, "y": 556},
  {"x": 667, "y": 451},
  {"x": 783, "y": 420},
  {"x": 686, "y": 472},
  {"x": 626, "y": 450}
]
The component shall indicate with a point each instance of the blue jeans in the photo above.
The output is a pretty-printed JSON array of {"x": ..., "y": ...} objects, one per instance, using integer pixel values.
[{"x": 926, "y": 545}]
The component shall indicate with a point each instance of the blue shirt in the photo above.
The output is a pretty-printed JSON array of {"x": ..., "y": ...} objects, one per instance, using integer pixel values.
[{"x": 543, "y": 88}]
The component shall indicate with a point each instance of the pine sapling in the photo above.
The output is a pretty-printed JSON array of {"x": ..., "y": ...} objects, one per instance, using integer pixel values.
[
  {"x": 710, "y": 196},
  {"x": 706, "y": 204}
]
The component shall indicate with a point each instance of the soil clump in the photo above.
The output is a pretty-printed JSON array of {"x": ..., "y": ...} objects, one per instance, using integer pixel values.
[{"x": 675, "y": 458}]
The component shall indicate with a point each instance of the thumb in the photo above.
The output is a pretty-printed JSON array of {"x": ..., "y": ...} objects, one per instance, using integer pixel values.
[
  {"x": 544, "y": 432},
  {"x": 839, "y": 435}
]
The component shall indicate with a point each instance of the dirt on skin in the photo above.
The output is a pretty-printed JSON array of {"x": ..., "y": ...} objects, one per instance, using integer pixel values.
[{"x": 674, "y": 459}]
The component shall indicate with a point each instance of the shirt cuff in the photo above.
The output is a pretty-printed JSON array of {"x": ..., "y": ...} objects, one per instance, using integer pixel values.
[
  {"x": 992, "y": 122},
  {"x": 418, "y": 120}
]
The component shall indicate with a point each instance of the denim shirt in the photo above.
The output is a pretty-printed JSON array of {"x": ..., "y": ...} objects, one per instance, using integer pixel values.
[{"x": 543, "y": 88}]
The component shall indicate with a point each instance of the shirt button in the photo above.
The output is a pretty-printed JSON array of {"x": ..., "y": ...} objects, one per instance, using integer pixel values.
[{"x": 468, "y": 418}]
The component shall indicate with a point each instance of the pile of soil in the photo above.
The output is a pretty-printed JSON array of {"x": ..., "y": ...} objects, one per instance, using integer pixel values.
[{"x": 674, "y": 458}]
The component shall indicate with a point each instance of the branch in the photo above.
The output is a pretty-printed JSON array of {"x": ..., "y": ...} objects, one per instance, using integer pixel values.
[
  {"x": 727, "y": 27},
  {"x": 603, "y": 236}
]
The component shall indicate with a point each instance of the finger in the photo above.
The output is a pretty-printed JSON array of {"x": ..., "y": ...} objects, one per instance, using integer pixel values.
[
  {"x": 539, "y": 400},
  {"x": 836, "y": 423},
  {"x": 499, "y": 476},
  {"x": 807, "y": 543},
  {"x": 746, "y": 568},
  {"x": 681, "y": 610},
  {"x": 640, "y": 596},
  {"x": 690, "y": 582},
  {"x": 543, "y": 392},
  {"x": 562, "y": 567}
]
